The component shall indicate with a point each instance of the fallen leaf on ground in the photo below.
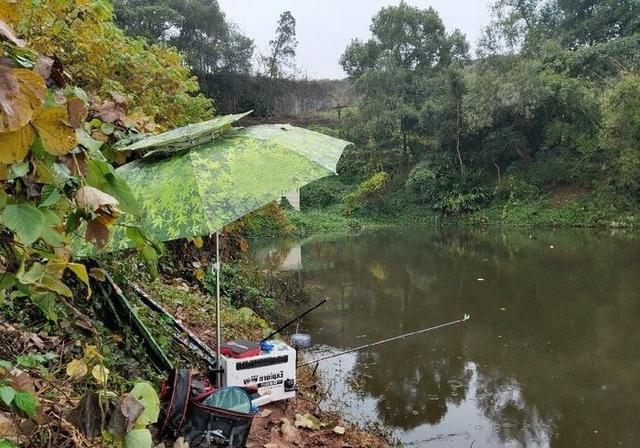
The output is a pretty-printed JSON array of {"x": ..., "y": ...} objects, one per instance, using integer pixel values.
[
  {"x": 100, "y": 373},
  {"x": 264, "y": 413},
  {"x": 289, "y": 432},
  {"x": 308, "y": 421},
  {"x": 339, "y": 430},
  {"x": 180, "y": 443},
  {"x": 77, "y": 368}
]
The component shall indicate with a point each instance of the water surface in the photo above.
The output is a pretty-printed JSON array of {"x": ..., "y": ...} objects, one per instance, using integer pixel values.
[{"x": 550, "y": 357}]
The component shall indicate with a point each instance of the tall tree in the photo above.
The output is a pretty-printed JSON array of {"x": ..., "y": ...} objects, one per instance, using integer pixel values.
[
  {"x": 198, "y": 28},
  {"x": 398, "y": 75},
  {"x": 283, "y": 47}
]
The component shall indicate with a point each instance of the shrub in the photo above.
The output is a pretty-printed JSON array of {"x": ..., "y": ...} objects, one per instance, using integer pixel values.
[
  {"x": 367, "y": 190},
  {"x": 322, "y": 193},
  {"x": 99, "y": 56}
]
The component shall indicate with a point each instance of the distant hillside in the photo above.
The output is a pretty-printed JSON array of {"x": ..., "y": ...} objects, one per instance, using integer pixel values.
[{"x": 275, "y": 97}]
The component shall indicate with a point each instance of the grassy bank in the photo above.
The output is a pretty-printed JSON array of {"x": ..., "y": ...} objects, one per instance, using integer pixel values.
[{"x": 327, "y": 208}]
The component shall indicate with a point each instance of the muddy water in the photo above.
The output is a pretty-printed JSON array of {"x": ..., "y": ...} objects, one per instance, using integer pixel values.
[{"x": 550, "y": 357}]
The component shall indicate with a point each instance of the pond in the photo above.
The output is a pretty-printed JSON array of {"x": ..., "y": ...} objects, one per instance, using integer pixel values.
[{"x": 549, "y": 358}]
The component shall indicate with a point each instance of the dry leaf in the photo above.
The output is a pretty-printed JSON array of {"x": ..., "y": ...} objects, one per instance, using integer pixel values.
[
  {"x": 289, "y": 432},
  {"x": 308, "y": 421},
  {"x": 97, "y": 233},
  {"x": 131, "y": 409},
  {"x": 180, "y": 443},
  {"x": 43, "y": 66},
  {"x": 77, "y": 112},
  {"x": 77, "y": 369},
  {"x": 91, "y": 198},
  {"x": 14, "y": 146},
  {"x": 7, "y": 31},
  {"x": 98, "y": 274},
  {"x": 91, "y": 354},
  {"x": 21, "y": 380},
  {"x": 53, "y": 128},
  {"x": 339, "y": 430},
  {"x": 9, "y": 11},
  {"x": 9, "y": 83},
  {"x": 7, "y": 427},
  {"x": 100, "y": 373},
  {"x": 264, "y": 413},
  {"x": 57, "y": 72}
]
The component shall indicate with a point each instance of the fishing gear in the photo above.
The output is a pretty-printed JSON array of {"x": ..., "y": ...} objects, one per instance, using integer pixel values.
[
  {"x": 384, "y": 341},
  {"x": 293, "y": 320},
  {"x": 192, "y": 342}
]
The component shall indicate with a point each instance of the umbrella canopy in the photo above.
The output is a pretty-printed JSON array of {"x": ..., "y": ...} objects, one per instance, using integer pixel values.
[{"x": 198, "y": 190}]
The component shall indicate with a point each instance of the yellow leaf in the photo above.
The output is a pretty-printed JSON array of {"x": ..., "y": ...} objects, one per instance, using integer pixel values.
[
  {"x": 100, "y": 373},
  {"x": 77, "y": 368},
  {"x": 21, "y": 97},
  {"x": 91, "y": 354},
  {"x": 198, "y": 242},
  {"x": 57, "y": 136},
  {"x": 199, "y": 273},
  {"x": 55, "y": 284},
  {"x": 81, "y": 272},
  {"x": 33, "y": 87},
  {"x": 14, "y": 146},
  {"x": 9, "y": 11}
]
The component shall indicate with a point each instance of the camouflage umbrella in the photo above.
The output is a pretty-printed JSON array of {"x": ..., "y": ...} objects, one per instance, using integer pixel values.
[{"x": 199, "y": 178}]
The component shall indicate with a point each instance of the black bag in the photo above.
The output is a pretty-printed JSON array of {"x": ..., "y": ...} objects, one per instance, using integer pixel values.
[
  {"x": 207, "y": 426},
  {"x": 184, "y": 414}
]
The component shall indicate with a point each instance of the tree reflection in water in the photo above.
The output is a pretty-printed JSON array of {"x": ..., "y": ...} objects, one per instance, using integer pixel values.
[{"x": 549, "y": 357}]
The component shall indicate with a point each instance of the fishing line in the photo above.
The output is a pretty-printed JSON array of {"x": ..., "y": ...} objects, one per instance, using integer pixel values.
[{"x": 384, "y": 341}]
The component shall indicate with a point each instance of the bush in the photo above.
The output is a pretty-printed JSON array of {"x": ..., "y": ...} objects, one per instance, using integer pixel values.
[
  {"x": 450, "y": 194},
  {"x": 268, "y": 220},
  {"x": 368, "y": 189},
  {"x": 322, "y": 193},
  {"x": 514, "y": 187}
]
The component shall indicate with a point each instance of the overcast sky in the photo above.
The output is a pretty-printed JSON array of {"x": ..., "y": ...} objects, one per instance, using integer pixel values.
[{"x": 325, "y": 27}]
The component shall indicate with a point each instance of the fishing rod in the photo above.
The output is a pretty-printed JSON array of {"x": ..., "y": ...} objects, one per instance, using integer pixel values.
[
  {"x": 294, "y": 319},
  {"x": 192, "y": 340},
  {"x": 384, "y": 341}
]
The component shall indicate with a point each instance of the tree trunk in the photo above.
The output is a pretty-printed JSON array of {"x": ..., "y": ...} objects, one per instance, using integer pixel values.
[
  {"x": 497, "y": 169},
  {"x": 458, "y": 136}
]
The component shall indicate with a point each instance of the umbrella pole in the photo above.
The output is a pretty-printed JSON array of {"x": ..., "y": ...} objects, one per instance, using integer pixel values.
[{"x": 217, "y": 267}]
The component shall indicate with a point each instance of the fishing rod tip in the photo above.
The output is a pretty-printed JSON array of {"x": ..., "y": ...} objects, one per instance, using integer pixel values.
[{"x": 466, "y": 317}]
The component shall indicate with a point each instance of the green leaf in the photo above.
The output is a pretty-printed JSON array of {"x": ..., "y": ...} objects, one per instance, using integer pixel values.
[
  {"x": 33, "y": 275},
  {"x": 147, "y": 396},
  {"x": 135, "y": 235},
  {"x": 4, "y": 443},
  {"x": 25, "y": 221},
  {"x": 49, "y": 233},
  {"x": 107, "y": 128},
  {"x": 4, "y": 197},
  {"x": 26, "y": 402},
  {"x": 138, "y": 438},
  {"x": 101, "y": 175},
  {"x": 6, "y": 394},
  {"x": 5, "y": 364},
  {"x": 18, "y": 170},
  {"x": 49, "y": 196},
  {"x": 61, "y": 173},
  {"x": 85, "y": 140},
  {"x": 46, "y": 302}
]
